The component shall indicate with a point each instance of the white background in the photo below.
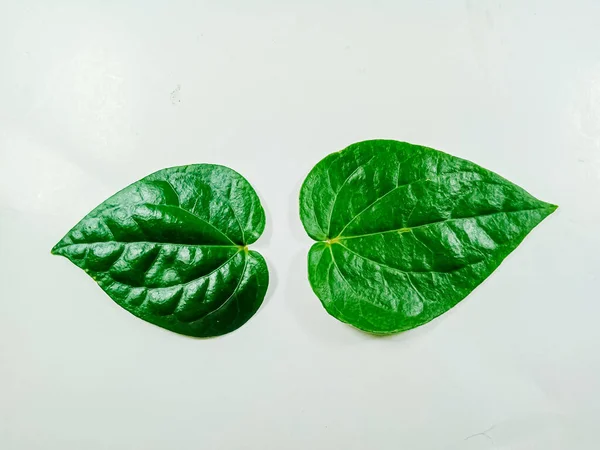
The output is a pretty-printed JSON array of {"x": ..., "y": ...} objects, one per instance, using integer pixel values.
[{"x": 97, "y": 94}]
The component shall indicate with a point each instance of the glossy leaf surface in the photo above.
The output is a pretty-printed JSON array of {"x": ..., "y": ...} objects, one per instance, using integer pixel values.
[
  {"x": 172, "y": 249},
  {"x": 406, "y": 232}
]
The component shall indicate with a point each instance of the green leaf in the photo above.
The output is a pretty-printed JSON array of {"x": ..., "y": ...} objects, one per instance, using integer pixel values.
[
  {"x": 172, "y": 249},
  {"x": 406, "y": 232}
]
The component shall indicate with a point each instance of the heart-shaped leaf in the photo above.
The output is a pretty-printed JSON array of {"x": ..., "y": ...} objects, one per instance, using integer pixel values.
[
  {"x": 172, "y": 249},
  {"x": 406, "y": 232}
]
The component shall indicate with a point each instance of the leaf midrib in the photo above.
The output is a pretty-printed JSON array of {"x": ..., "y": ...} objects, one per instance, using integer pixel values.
[
  {"x": 436, "y": 178},
  {"x": 99, "y": 216},
  {"x": 56, "y": 249},
  {"x": 439, "y": 222}
]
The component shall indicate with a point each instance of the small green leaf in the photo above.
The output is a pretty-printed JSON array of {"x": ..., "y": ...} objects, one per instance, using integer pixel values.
[
  {"x": 406, "y": 232},
  {"x": 172, "y": 249}
]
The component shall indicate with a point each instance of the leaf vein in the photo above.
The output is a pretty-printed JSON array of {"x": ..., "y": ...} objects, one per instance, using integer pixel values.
[
  {"x": 179, "y": 284},
  {"x": 231, "y": 296},
  {"x": 337, "y": 194},
  {"x": 407, "y": 272},
  {"x": 398, "y": 186}
]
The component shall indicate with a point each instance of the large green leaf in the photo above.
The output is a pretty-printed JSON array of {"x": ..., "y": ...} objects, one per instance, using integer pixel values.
[
  {"x": 406, "y": 232},
  {"x": 172, "y": 249}
]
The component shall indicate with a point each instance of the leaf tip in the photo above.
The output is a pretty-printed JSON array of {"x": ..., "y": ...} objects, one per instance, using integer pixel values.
[
  {"x": 551, "y": 208},
  {"x": 56, "y": 250}
]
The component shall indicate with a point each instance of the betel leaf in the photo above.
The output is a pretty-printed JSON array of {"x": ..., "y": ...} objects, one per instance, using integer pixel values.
[
  {"x": 406, "y": 232},
  {"x": 172, "y": 249}
]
